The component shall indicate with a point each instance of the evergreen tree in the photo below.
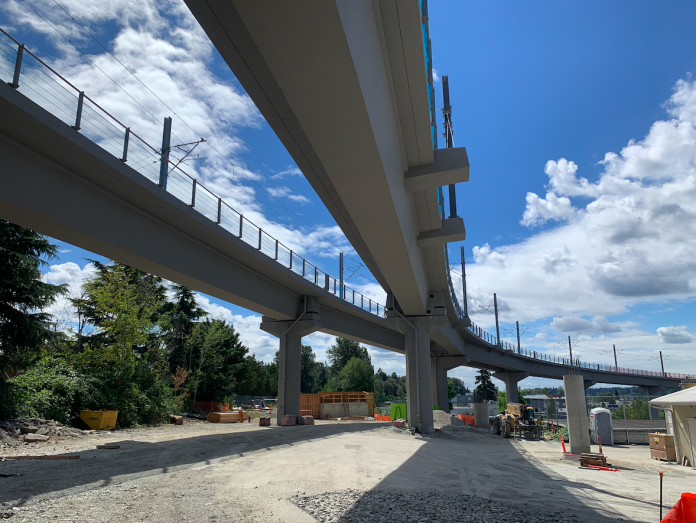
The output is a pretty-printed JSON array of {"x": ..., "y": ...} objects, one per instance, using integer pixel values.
[
  {"x": 24, "y": 327},
  {"x": 341, "y": 352},
  {"x": 356, "y": 376},
  {"x": 218, "y": 358},
  {"x": 183, "y": 313},
  {"x": 485, "y": 390}
]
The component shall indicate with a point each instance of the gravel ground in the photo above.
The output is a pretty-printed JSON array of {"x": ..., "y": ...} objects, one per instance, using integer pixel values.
[{"x": 375, "y": 506}]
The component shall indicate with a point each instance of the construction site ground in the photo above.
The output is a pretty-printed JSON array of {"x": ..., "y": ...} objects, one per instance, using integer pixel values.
[{"x": 332, "y": 471}]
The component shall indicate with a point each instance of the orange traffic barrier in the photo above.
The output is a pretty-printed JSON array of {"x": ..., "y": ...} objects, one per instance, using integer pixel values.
[
  {"x": 379, "y": 417},
  {"x": 467, "y": 419},
  {"x": 684, "y": 511}
]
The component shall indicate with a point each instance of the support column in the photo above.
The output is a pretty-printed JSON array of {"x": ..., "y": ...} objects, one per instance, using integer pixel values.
[
  {"x": 419, "y": 374},
  {"x": 651, "y": 393},
  {"x": 511, "y": 379},
  {"x": 419, "y": 397},
  {"x": 578, "y": 425},
  {"x": 290, "y": 334},
  {"x": 439, "y": 368}
]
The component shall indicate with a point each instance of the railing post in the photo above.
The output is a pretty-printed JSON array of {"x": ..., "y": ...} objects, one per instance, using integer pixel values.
[
  {"x": 260, "y": 236},
  {"x": 303, "y": 267},
  {"x": 340, "y": 274},
  {"x": 362, "y": 301},
  {"x": 78, "y": 116},
  {"x": 316, "y": 275},
  {"x": 18, "y": 67},
  {"x": 126, "y": 139},
  {"x": 326, "y": 282},
  {"x": 290, "y": 259},
  {"x": 353, "y": 296},
  {"x": 166, "y": 143},
  {"x": 219, "y": 214},
  {"x": 193, "y": 193},
  {"x": 370, "y": 300},
  {"x": 276, "y": 252},
  {"x": 241, "y": 225}
]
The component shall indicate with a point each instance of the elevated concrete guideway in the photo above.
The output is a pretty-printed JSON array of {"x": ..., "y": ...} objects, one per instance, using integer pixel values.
[{"x": 346, "y": 91}]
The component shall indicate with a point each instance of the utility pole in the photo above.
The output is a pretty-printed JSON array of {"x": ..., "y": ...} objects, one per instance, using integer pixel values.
[
  {"x": 497, "y": 327},
  {"x": 662, "y": 364},
  {"x": 519, "y": 349},
  {"x": 570, "y": 348},
  {"x": 340, "y": 272},
  {"x": 466, "y": 301},
  {"x": 447, "y": 115},
  {"x": 616, "y": 364}
]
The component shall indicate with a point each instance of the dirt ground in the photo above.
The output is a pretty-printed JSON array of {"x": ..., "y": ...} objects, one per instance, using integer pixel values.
[{"x": 242, "y": 472}]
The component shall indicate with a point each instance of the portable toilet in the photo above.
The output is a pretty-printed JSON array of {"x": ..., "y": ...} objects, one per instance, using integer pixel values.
[{"x": 601, "y": 426}]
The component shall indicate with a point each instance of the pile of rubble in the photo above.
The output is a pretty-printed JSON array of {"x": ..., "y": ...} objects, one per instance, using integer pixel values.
[
  {"x": 14, "y": 432},
  {"x": 384, "y": 506}
]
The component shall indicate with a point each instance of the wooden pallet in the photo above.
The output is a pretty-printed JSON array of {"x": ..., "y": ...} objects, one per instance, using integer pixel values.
[{"x": 598, "y": 460}]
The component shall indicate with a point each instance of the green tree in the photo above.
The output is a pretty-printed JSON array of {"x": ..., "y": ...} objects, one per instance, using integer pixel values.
[
  {"x": 341, "y": 352},
  {"x": 485, "y": 390},
  {"x": 378, "y": 389},
  {"x": 218, "y": 357},
  {"x": 451, "y": 393},
  {"x": 381, "y": 374},
  {"x": 24, "y": 326},
  {"x": 550, "y": 408},
  {"x": 183, "y": 313},
  {"x": 458, "y": 385},
  {"x": 357, "y": 375},
  {"x": 314, "y": 374}
]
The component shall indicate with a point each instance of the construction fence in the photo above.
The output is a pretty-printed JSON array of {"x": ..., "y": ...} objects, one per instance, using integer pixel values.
[{"x": 326, "y": 405}]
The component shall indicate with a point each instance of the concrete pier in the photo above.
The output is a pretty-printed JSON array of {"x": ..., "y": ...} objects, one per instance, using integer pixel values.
[
  {"x": 481, "y": 414},
  {"x": 511, "y": 380},
  {"x": 578, "y": 423},
  {"x": 290, "y": 334}
]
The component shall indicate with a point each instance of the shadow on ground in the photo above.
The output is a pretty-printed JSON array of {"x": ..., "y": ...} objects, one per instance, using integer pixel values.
[
  {"x": 496, "y": 469},
  {"x": 40, "y": 478}
]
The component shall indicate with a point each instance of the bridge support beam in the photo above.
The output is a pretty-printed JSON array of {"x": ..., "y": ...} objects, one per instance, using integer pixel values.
[
  {"x": 651, "y": 393},
  {"x": 511, "y": 379},
  {"x": 290, "y": 334},
  {"x": 439, "y": 366},
  {"x": 578, "y": 425}
]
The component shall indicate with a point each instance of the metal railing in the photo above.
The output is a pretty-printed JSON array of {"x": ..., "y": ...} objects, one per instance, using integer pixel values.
[
  {"x": 575, "y": 363},
  {"x": 43, "y": 85}
]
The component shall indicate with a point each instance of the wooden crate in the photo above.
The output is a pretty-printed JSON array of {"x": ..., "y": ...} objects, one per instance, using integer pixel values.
[
  {"x": 660, "y": 441},
  {"x": 669, "y": 454},
  {"x": 236, "y": 416}
]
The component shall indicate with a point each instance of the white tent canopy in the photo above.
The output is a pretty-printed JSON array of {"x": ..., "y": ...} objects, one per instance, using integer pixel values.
[{"x": 683, "y": 397}]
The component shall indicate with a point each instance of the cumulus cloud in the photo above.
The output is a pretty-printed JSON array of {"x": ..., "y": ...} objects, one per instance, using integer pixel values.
[
  {"x": 677, "y": 335},
  {"x": 290, "y": 171},
  {"x": 626, "y": 238}
]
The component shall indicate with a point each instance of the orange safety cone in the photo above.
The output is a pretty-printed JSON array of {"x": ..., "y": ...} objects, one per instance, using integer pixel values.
[
  {"x": 563, "y": 443},
  {"x": 600, "y": 446}
]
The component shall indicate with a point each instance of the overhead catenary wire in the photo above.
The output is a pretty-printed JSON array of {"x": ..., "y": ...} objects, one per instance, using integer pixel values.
[{"x": 234, "y": 166}]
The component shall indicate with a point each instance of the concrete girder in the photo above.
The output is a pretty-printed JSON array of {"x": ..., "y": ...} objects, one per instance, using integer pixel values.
[
  {"x": 511, "y": 379},
  {"x": 452, "y": 230},
  {"x": 451, "y": 166}
]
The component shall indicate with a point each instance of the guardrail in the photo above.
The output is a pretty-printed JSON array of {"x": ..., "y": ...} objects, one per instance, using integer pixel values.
[
  {"x": 575, "y": 363},
  {"x": 43, "y": 85}
]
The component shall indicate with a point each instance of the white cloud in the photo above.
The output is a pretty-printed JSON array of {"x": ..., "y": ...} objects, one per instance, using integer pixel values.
[
  {"x": 675, "y": 335},
  {"x": 285, "y": 192},
  {"x": 73, "y": 276},
  {"x": 290, "y": 171},
  {"x": 629, "y": 239},
  {"x": 436, "y": 77},
  {"x": 598, "y": 324},
  {"x": 540, "y": 210}
]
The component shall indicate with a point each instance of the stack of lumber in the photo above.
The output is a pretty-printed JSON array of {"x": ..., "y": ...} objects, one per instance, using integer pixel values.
[
  {"x": 236, "y": 416},
  {"x": 598, "y": 460}
]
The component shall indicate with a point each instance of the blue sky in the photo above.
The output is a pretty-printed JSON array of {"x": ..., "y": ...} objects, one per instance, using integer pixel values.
[{"x": 540, "y": 92}]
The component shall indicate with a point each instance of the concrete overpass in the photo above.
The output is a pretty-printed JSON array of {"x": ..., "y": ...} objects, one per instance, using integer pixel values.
[{"x": 345, "y": 86}]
